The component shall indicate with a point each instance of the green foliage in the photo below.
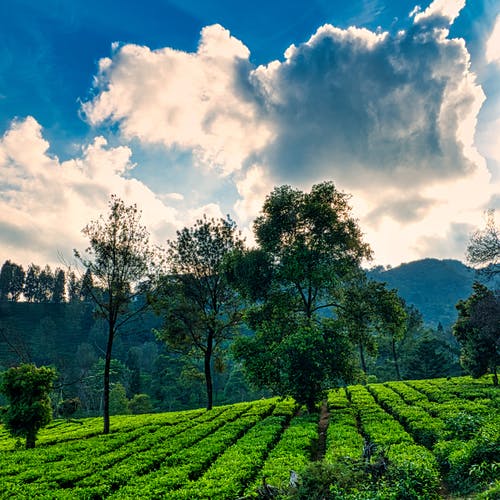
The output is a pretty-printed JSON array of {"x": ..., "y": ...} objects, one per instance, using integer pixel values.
[
  {"x": 308, "y": 245},
  {"x": 476, "y": 329},
  {"x": 140, "y": 403},
  {"x": 68, "y": 407},
  {"x": 300, "y": 359},
  {"x": 27, "y": 389},
  {"x": 200, "y": 309},
  {"x": 118, "y": 402}
]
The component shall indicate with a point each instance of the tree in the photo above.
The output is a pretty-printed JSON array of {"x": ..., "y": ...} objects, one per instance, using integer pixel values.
[
  {"x": 58, "y": 291},
  {"x": 478, "y": 332},
  {"x": 73, "y": 287},
  {"x": 45, "y": 285},
  {"x": 313, "y": 246},
  {"x": 5, "y": 279},
  {"x": 118, "y": 402},
  {"x": 370, "y": 311},
  {"x": 428, "y": 359},
  {"x": 87, "y": 286},
  {"x": 31, "y": 284},
  {"x": 17, "y": 282},
  {"x": 200, "y": 309},
  {"x": 27, "y": 388},
  {"x": 140, "y": 403},
  {"x": 11, "y": 281},
  {"x": 484, "y": 247},
  {"x": 122, "y": 264}
]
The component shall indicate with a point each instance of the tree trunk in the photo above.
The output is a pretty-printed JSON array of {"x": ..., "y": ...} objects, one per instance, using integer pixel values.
[
  {"x": 208, "y": 371},
  {"x": 107, "y": 367},
  {"x": 495, "y": 376},
  {"x": 362, "y": 358},
  {"x": 395, "y": 357},
  {"x": 30, "y": 440}
]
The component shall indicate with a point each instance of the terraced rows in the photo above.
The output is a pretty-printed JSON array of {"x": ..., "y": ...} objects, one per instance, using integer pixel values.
[{"x": 411, "y": 438}]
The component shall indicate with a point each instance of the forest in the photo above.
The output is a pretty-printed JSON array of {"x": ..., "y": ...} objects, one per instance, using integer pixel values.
[{"x": 391, "y": 323}]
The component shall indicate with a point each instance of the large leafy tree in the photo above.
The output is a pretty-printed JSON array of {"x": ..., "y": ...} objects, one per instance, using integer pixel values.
[
  {"x": 122, "y": 263},
  {"x": 477, "y": 330},
  {"x": 313, "y": 245},
  {"x": 27, "y": 389},
  {"x": 200, "y": 309}
]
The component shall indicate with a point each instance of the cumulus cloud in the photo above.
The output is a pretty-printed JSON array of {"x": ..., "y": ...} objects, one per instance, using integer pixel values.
[
  {"x": 439, "y": 10},
  {"x": 188, "y": 100},
  {"x": 44, "y": 203},
  {"x": 387, "y": 117}
]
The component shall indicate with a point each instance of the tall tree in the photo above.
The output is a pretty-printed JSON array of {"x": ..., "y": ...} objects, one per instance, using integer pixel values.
[
  {"x": 87, "y": 286},
  {"x": 484, "y": 247},
  {"x": 17, "y": 282},
  {"x": 73, "y": 287},
  {"x": 200, "y": 308},
  {"x": 122, "y": 262},
  {"x": 31, "y": 284},
  {"x": 58, "y": 291},
  {"x": 5, "y": 280},
  {"x": 45, "y": 285},
  {"x": 477, "y": 330},
  {"x": 313, "y": 246}
]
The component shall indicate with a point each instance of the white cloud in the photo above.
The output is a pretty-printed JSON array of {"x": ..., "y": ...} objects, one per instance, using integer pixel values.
[
  {"x": 252, "y": 188},
  {"x": 44, "y": 203},
  {"x": 439, "y": 9},
  {"x": 189, "y": 100},
  {"x": 493, "y": 44}
]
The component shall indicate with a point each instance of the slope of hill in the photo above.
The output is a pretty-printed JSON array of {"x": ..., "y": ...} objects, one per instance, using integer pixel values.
[
  {"x": 433, "y": 286},
  {"x": 383, "y": 441}
]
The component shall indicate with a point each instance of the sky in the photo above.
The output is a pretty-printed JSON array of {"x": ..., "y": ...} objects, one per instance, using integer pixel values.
[{"x": 199, "y": 107}]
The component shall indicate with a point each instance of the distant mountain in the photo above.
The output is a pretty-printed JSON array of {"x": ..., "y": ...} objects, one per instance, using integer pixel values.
[{"x": 433, "y": 286}]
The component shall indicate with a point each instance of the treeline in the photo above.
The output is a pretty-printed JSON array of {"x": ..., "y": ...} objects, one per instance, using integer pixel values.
[
  {"x": 42, "y": 285},
  {"x": 296, "y": 313}
]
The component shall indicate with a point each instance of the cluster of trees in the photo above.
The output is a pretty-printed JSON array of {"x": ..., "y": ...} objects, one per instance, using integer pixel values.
[
  {"x": 297, "y": 311},
  {"x": 42, "y": 285}
]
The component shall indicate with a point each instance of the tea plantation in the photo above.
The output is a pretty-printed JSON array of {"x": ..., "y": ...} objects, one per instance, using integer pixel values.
[{"x": 398, "y": 440}]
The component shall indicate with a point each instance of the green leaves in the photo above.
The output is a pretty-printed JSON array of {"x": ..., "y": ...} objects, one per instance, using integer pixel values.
[{"x": 27, "y": 389}]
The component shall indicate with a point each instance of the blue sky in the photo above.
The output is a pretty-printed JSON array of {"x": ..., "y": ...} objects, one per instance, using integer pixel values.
[{"x": 186, "y": 107}]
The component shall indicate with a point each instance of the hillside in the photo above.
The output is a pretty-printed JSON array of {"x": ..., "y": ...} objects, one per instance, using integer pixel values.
[
  {"x": 433, "y": 286},
  {"x": 392, "y": 440}
]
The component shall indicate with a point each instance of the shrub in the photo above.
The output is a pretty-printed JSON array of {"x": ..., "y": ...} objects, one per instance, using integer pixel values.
[
  {"x": 140, "y": 403},
  {"x": 27, "y": 389}
]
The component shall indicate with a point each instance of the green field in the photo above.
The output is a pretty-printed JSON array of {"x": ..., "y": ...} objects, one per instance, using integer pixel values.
[{"x": 416, "y": 439}]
